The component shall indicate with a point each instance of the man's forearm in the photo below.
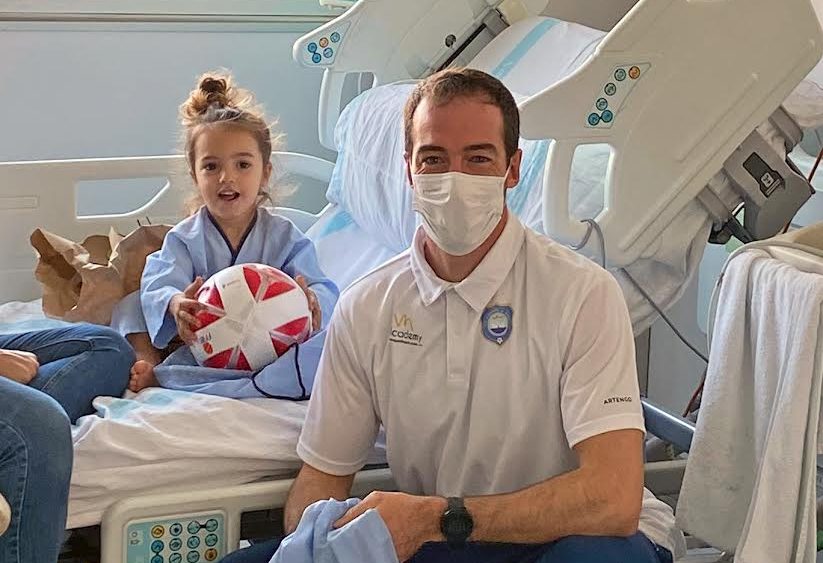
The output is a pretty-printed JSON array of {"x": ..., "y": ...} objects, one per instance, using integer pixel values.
[
  {"x": 310, "y": 486},
  {"x": 570, "y": 504}
]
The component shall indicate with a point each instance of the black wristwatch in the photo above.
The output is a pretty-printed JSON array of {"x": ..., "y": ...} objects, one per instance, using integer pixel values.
[{"x": 456, "y": 523}]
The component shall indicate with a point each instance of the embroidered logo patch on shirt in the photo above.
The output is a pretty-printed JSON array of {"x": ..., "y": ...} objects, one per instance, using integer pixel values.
[
  {"x": 497, "y": 323},
  {"x": 403, "y": 332}
]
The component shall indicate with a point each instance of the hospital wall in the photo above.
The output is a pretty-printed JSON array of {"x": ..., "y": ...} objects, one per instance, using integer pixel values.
[{"x": 81, "y": 89}]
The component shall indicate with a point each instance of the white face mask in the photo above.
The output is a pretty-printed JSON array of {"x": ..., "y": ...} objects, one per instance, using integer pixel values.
[{"x": 459, "y": 210}]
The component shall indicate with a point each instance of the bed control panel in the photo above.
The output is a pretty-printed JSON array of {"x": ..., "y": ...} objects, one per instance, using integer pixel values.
[
  {"x": 611, "y": 97},
  {"x": 321, "y": 48},
  {"x": 189, "y": 538}
]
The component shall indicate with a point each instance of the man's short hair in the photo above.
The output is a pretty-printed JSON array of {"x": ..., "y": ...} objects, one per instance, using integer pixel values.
[{"x": 444, "y": 86}]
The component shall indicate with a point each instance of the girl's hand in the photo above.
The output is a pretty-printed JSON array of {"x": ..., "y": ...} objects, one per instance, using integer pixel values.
[
  {"x": 184, "y": 308},
  {"x": 314, "y": 304}
]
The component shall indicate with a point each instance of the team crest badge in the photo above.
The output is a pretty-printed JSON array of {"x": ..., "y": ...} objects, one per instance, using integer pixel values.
[{"x": 497, "y": 323}]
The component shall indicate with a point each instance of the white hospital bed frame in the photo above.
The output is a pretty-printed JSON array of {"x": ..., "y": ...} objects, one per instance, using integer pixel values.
[{"x": 742, "y": 81}]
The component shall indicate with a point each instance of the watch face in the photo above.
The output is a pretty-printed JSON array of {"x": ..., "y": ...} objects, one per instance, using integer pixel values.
[{"x": 457, "y": 525}]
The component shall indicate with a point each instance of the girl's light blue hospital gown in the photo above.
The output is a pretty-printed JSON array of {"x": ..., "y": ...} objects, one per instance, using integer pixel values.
[{"x": 198, "y": 247}]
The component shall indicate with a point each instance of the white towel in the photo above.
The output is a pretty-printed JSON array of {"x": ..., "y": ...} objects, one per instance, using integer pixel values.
[{"x": 749, "y": 483}]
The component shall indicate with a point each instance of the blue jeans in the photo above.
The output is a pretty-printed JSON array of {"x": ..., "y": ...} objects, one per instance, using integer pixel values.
[
  {"x": 77, "y": 363},
  {"x": 35, "y": 469},
  {"x": 573, "y": 549}
]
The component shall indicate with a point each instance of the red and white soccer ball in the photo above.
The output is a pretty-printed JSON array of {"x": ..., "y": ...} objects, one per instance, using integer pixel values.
[{"x": 254, "y": 314}]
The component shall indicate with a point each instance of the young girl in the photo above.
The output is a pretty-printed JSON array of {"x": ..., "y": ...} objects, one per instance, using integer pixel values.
[{"x": 227, "y": 145}]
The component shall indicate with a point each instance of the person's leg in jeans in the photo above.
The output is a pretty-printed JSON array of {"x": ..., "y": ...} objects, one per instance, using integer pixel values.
[
  {"x": 574, "y": 549},
  {"x": 77, "y": 363},
  {"x": 35, "y": 469},
  {"x": 258, "y": 553},
  {"x": 439, "y": 552},
  {"x": 587, "y": 549}
]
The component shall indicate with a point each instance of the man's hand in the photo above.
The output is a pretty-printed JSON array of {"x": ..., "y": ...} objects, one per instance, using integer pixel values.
[
  {"x": 314, "y": 304},
  {"x": 18, "y": 366},
  {"x": 184, "y": 308},
  {"x": 411, "y": 520}
]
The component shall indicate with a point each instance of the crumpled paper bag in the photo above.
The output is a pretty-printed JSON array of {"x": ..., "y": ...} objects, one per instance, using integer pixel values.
[{"x": 82, "y": 282}]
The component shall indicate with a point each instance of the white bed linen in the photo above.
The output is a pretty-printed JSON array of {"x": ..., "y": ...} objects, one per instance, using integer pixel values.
[{"x": 164, "y": 440}]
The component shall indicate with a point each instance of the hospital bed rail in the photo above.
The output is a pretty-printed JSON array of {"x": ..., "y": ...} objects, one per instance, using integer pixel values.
[
  {"x": 670, "y": 428},
  {"x": 44, "y": 194},
  {"x": 230, "y": 503}
]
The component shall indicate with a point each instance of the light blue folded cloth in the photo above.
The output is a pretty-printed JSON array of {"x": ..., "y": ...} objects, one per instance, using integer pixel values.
[{"x": 364, "y": 539}]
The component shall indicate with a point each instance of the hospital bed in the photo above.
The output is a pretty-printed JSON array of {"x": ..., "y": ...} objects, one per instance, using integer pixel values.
[{"x": 694, "y": 132}]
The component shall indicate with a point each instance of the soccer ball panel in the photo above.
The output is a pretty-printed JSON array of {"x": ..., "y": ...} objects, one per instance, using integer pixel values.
[{"x": 255, "y": 314}]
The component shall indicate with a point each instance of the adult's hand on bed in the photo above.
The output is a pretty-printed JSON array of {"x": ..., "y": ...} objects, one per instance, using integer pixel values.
[
  {"x": 19, "y": 366},
  {"x": 184, "y": 308},
  {"x": 314, "y": 304}
]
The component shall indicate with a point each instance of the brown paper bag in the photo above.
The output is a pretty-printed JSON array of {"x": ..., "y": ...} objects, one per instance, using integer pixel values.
[
  {"x": 129, "y": 255},
  {"x": 83, "y": 282}
]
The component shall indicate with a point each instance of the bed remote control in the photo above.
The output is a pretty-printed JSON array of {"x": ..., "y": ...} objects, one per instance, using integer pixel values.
[{"x": 189, "y": 538}]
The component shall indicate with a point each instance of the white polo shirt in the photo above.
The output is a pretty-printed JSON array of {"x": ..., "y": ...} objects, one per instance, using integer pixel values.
[{"x": 476, "y": 404}]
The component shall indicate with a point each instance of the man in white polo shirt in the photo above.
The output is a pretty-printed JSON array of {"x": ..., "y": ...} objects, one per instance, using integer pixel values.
[{"x": 500, "y": 364}]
